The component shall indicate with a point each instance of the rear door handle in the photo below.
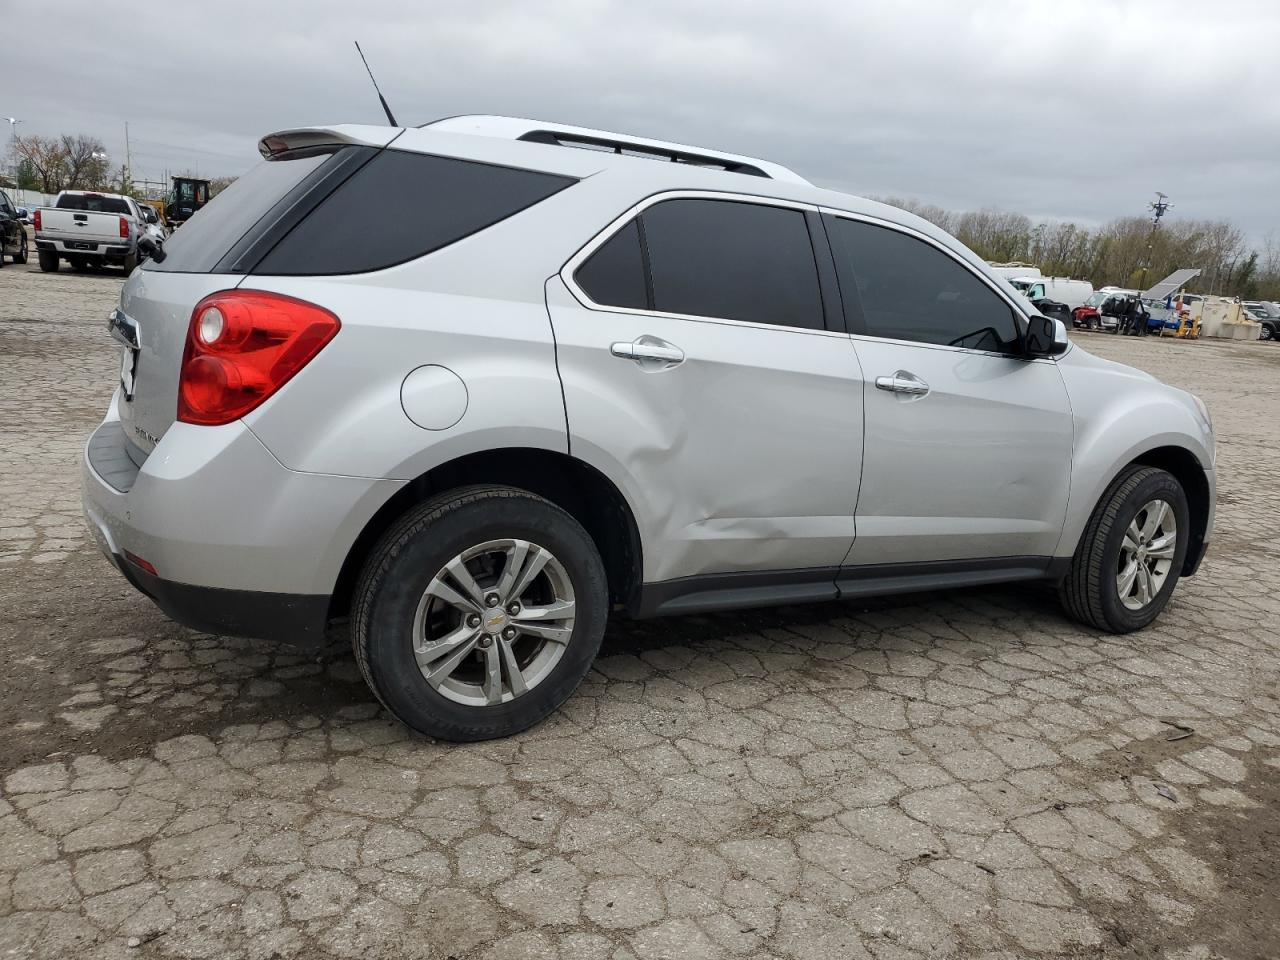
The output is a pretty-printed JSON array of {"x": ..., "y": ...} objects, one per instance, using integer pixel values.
[
  {"x": 649, "y": 352},
  {"x": 904, "y": 382}
]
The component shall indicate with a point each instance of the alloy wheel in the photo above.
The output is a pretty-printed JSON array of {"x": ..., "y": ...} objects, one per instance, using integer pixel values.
[
  {"x": 1146, "y": 554},
  {"x": 493, "y": 622}
]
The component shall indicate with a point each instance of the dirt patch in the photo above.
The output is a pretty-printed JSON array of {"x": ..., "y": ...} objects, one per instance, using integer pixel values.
[{"x": 1241, "y": 845}]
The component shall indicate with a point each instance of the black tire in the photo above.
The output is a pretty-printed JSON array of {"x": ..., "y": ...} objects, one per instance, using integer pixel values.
[
  {"x": 1089, "y": 591},
  {"x": 405, "y": 561},
  {"x": 21, "y": 255},
  {"x": 48, "y": 261},
  {"x": 1267, "y": 333},
  {"x": 130, "y": 263}
]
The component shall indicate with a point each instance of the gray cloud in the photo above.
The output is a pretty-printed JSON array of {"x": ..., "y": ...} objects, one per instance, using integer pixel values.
[{"x": 1071, "y": 110}]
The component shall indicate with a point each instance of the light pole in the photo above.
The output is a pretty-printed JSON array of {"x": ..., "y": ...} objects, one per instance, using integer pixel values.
[
  {"x": 13, "y": 140},
  {"x": 1158, "y": 209},
  {"x": 101, "y": 157}
]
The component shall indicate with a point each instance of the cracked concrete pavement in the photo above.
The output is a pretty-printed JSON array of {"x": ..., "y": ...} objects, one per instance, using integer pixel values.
[{"x": 948, "y": 775}]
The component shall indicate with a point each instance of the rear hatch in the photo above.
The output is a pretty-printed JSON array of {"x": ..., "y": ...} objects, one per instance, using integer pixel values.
[{"x": 213, "y": 251}]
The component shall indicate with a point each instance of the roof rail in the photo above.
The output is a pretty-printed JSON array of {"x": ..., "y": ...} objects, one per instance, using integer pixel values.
[{"x": 563, "y": 135}]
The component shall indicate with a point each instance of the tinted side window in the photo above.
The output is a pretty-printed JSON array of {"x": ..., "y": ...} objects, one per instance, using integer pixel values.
[
  {"x": 613, "y": 276},
  {"x": 740, "y": 261},
  {"x": 211, "y": 232},
  {"x": 400, "y": 206},
  {"x": 911, "y": 291}
]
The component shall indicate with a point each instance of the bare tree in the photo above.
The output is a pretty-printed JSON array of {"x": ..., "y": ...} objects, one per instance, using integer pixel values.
[
  {"x": 86, "y": 161},
  {"x": 47, "y": 159},
  {"x": 68, "y": 162}
]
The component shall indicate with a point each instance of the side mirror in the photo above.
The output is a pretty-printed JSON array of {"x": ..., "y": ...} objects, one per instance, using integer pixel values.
[
  {"x": 150, "y": 249},
  {"x": 1045, "y": 337}
]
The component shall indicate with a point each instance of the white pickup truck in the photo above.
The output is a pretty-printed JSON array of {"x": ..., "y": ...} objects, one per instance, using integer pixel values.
[{"x": 87, "y": 228}]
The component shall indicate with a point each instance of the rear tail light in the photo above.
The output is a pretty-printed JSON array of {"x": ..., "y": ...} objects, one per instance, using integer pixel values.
[
  {"x": 243, "y": 346},
  {"x": 35, "y": 220},
  {"x": 124, "y": 228}
]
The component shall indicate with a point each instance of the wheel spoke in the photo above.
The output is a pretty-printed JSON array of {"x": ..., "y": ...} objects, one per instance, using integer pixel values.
[
  {"x": 536, "y": 559},
  {"x": 547, "y": 631},
  {"x": 1162, "y": 548},
  {"x": 515, "y": 679},
  {"x": 492, "y": 674},
  {"x": 556, "y": 610},
  {"x": 515, "y": 561},
  {"x": 444, "y": 668},
  {"x": 462, "y": 576},
  {"x": 1144, "y": 584},
  {"x": 1155, "y": 517},
  {"x": 1124, "y": 584},
  {"x": 1133, "y": 533},
  {"x": 442, "y": 591},
  {"x": 426, "y": 653}
]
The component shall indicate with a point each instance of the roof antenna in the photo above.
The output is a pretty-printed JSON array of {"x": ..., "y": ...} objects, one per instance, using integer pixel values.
[{"x": 383, "y": 100}]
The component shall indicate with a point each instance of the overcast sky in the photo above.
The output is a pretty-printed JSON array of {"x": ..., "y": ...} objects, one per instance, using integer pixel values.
[{"x": 1073, "y": 109}]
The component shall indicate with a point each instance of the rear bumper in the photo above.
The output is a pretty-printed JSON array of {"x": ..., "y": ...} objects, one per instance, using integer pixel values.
[
  {"x": 108, "y": 250},
  {"x": 292, "y": 618},
  {"x": 239, "y": 544}
]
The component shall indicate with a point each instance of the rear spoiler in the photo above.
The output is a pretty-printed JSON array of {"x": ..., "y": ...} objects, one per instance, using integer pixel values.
[{"x": 303, "y": 138}]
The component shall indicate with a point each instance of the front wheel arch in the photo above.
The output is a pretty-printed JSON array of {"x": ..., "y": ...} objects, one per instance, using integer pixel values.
[{"x": 1186, "y": 468}]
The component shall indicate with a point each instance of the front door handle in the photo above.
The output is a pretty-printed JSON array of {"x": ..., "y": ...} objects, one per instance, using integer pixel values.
[
  {"x": 904, "y": 382},
  {"x": 649, "y": 352}
]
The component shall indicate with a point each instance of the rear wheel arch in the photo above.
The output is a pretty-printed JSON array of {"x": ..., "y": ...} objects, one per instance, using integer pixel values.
[{"x": 569, "y": 483}]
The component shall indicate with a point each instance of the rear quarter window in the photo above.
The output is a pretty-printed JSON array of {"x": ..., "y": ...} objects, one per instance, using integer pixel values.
[{"x": 400, "y": 206}]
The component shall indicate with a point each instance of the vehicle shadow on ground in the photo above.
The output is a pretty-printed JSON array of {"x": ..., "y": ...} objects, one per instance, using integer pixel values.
[{"x": 139, "y": 678}]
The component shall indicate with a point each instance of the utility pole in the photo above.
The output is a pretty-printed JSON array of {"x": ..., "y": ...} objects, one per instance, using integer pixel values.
[
  {"x": 128, "y": 162},
  {"x": 1159, "y": 207}
]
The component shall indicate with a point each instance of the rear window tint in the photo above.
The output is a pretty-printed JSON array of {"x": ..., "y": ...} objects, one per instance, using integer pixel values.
[
  {"x": 198, "y": 245},
  {"x": 400, "y": 206},
  {"x": 92, "y": 203}
]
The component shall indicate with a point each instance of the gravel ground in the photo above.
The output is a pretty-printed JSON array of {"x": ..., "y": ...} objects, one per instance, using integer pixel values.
[{"x": 947, "y": 775}]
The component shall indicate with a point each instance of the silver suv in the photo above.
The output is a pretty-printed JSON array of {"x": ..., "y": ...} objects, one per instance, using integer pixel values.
[{"x": 479, "y": 385}]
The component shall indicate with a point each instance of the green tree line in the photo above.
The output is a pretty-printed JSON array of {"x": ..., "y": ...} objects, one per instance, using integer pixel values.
[{"x": 1116, "y": 253}]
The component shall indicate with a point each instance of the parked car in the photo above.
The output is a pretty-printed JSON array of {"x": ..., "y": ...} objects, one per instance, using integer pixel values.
[
  {"x": 552, "y": 384},
  {"x": 87, "y": 228},
  {"x": 1263, "y": 313},
  {"x": 13, "y": 235},
  {"x": 153, "y": 225},
  {"x": 1073, "y": 293},
  {"x": 1053, "y": 309},
  {"x": 1102, "y": 309},
  {"x": 24, "y": 215}
]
